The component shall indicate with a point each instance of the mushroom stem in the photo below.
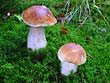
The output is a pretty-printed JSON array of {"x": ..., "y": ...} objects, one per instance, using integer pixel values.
[
  {"x": 36, "y": 38},
  {"x": 67, "y": 68}
]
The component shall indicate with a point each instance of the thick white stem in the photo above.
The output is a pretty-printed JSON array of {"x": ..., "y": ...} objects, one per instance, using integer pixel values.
[
  {"x": 36, "y": 38},
  {"x": 67, "y": 68}
]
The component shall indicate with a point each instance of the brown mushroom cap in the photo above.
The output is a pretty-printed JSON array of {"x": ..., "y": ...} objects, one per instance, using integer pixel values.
[
  {"x": 72, "y": 53},
  {"x": 38, "y": 16}
]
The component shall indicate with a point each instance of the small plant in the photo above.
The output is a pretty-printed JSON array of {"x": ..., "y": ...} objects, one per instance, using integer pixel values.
[{"x": 83, "y": 10}]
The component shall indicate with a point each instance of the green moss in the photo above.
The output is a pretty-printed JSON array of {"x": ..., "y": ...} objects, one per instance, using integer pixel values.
[{"x": 19, "y": 65}]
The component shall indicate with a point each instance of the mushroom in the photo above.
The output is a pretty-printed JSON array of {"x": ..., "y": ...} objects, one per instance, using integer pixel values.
[
  {"x": 71, "y": 56},
  {"x": 37, "y": 17}
]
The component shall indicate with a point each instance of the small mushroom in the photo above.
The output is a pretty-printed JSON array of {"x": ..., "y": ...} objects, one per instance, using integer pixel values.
[
  {"x": 71, "y": 55},
  {"x": 37, "y": 17}
]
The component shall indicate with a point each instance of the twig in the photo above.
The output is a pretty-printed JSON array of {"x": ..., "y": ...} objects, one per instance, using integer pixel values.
[
  {"x": 66, "y": 7},
  {"x": 70, "y": 15},
  {"x": 81, "y": 24}
]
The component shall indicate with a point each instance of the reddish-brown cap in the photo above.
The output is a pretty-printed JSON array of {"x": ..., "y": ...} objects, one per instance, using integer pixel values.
[
  {"x": 72, "y": 53},
  {"x": 38, "y": 16}
]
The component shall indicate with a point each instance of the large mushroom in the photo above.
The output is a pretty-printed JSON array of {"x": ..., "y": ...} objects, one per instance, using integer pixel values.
[
  {"x": 37, "y": 17},
  {"x": 71, "y": 55}
]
